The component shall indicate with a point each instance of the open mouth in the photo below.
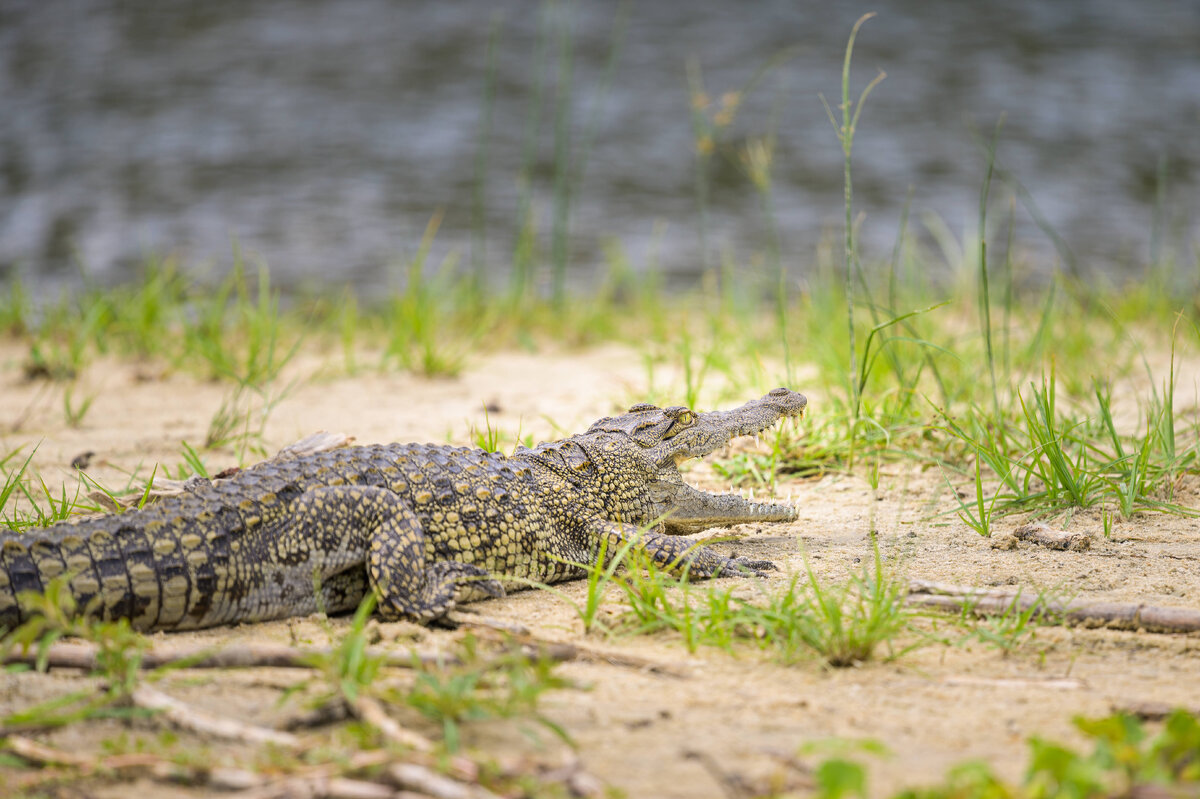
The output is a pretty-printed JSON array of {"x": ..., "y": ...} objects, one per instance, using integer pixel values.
[{"x": 690, "y": 509}]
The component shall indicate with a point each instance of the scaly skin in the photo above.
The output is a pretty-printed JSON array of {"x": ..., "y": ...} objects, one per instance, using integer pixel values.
[{"x": 424, "y": 526}]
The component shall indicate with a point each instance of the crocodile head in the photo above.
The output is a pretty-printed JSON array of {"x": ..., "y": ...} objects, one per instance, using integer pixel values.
[{"x": 651, "y": 442}]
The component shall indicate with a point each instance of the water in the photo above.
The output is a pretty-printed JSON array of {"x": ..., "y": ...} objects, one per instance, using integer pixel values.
[{"x": 323, "y": 136}]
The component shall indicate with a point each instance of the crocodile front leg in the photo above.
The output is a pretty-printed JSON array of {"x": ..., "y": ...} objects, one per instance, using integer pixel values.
[
  {"x": 676, "y": 555},
  {"x": 408, "y": 585}
]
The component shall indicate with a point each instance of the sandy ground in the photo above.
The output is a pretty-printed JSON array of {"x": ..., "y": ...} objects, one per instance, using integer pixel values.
[{"x": 638, "y": 730}]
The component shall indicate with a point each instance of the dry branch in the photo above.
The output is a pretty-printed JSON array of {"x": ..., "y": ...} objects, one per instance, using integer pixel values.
[
  {"x": 410, "y": 776},
  {"x": 42, "y": 755},
  {"x": 127, "y": 765},
  {"x": 1110, "y": 615},
  {"x": 83, "y": 656},
  {"x": 1045, "y": 536},
  {"x": 318, "y": 786},
  {"x": 244, "y": 656},
  {"x": 321, "y": 441},
  {"x": 190, "y": 718},
  {"x": 372, "y": 712},
  {"x": 1152, "y": 711},
  {"x": 415, "y": 778}
]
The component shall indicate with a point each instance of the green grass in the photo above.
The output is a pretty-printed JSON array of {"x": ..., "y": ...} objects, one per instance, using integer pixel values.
[
  {"x": 1057, "y": 433},
  {"x": 1010, "y": 630},
  {"x": 1127, "y": 758},
  {"x": 837, "y": 624},
  {"x": 1050, "y": 462},
  {"x": 852, "y": 262},
  {"x": 480, "y": 689},
  {"x": 27, "y": 501},
  {"x": 472, "y": 686}
]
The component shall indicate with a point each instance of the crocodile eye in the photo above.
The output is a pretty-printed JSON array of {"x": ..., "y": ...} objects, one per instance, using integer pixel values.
[
  {"x": 680, "y": 417},
  {"x": 642, "y": 406}
]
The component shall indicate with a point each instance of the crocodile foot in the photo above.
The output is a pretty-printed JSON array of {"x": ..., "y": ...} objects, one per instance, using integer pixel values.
[
  {"x": 447, "y": 583},
  {"x": 745, "y": 567}
]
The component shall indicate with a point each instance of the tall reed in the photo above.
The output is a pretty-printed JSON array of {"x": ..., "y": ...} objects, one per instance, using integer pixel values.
[{"x": 845, "y": 133}]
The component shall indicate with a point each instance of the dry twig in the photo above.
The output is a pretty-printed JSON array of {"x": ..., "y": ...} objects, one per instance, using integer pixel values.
[
  {"x": 43, "y": 755},
  {"x": 189, "y": 718},
  {"x": 83, "y": 656},
  {"x": 1111, "y": 615},
  {"x": 129, "y": 764},
  {"x": 372, "y": 712},
  {"x": 414, "y": 777}
]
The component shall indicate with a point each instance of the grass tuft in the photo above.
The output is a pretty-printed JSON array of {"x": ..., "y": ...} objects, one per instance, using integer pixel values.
[{"x": 840, "y": 624}]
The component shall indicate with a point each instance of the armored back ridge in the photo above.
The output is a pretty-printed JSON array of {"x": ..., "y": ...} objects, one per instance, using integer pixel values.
[{"x": 424, "y": 526}]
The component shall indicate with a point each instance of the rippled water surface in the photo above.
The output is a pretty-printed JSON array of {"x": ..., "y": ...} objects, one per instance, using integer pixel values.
[{"x": 323, "y": 136}]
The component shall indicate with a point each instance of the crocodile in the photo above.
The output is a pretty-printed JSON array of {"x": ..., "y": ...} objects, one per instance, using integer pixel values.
[{"x": 424, "y": 526}]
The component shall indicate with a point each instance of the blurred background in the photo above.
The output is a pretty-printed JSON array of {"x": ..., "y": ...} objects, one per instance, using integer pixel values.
[{"x": 323, "y": 137}]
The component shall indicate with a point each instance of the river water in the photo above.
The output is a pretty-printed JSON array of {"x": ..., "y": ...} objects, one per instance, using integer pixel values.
[{"x": 323, "y": 136}]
